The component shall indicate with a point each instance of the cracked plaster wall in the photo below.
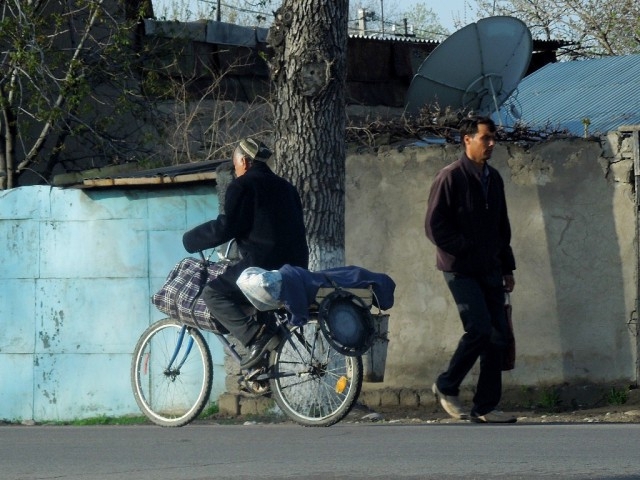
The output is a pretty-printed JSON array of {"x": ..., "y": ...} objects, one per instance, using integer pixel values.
[
  {"x": 78, "y": 268},
  {"x": 571, "y": 205}
]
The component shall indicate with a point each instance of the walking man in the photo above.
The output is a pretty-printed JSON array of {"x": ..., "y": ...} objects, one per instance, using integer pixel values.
[{"x": 468, "y": 223}]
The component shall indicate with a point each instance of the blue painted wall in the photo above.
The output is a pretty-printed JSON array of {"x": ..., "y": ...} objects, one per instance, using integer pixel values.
[{"x": 77, "y": 269}]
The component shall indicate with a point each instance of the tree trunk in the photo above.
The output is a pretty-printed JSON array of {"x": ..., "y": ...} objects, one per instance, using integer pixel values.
[{"x": 309, "y": 38}]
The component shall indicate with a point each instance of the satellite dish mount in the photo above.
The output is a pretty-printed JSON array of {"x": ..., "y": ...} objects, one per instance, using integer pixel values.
[{"x": 477, "y": 68}]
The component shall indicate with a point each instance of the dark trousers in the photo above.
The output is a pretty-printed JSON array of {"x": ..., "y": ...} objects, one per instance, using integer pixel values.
[
  {"x": 480, "y": 302},
  {"x": 232, "y": 312}
]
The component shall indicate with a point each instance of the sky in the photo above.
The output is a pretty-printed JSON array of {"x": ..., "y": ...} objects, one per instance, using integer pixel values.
[{"x": 446, "y": 10}]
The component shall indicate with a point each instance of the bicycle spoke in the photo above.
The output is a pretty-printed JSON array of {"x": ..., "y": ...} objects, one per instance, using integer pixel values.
[
  {"x": 170, "y": 394},
  {"x": 313, "y": 383}
]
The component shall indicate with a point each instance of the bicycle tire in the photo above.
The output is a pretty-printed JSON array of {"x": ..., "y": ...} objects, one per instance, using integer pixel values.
[
  {"x": 171, "y": 397},
  {"x": 311, "y": 382}
]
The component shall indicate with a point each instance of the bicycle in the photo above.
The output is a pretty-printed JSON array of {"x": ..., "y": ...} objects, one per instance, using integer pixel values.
[{"x": 312, "y": 382}]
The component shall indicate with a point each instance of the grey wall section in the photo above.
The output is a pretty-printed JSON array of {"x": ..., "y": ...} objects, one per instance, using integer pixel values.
[
  {"x": 574, "y": 231},
  {"x": 78, "y": 269}
]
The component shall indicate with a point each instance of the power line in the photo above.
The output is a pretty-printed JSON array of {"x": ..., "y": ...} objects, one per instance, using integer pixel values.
[
  {"x": 378, "y": 27},
  {"x": 244, "y": 10}
]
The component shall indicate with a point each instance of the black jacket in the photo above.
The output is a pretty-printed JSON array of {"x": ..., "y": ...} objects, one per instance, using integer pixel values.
[
  {"x": 470, "y": 230},
  {"x": 263, "y": 213}
]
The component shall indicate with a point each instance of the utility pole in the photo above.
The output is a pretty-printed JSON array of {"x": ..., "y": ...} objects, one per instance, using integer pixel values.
[{"x": 362, "y": 21}]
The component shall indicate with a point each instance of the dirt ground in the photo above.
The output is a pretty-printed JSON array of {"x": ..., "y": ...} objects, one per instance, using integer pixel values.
[
  {"x": 403, "y": 415},
  {"x": 569, "y": 404},
  {"x": 610, "y": 414},
  {"x": 590, "y": 405},
  {"x": 629, "y": 412}
]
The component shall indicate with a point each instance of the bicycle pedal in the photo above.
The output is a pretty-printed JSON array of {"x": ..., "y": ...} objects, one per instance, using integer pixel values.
[
  {"x": 255, "y": 381},
  {"x": 251, "y": 374},
  {"x": 255, "y": 388}
]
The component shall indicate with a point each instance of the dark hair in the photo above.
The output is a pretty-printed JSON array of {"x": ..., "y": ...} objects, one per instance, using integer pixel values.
[{"x": 469, "y": 125}]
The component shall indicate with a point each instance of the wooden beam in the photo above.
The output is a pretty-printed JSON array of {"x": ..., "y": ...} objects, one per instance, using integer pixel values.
[
  {"x": 192, "y": 177},
  {"x": 153, "y": 180}
]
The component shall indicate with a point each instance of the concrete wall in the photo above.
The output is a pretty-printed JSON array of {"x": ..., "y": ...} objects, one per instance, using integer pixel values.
[
  {"x": 573, "y": 219},
  {"x": 78, "y": 269}
]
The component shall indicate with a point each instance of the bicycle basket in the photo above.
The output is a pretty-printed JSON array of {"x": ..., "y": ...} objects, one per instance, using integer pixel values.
[{"x": 346, "y": 323}]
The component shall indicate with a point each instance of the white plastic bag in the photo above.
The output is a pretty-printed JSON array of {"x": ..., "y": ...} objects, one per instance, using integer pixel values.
[{"x": 261, "y": 287}]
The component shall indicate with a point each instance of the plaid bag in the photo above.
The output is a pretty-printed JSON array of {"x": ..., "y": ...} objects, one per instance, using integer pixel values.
[{"x": 179, "y": 297}]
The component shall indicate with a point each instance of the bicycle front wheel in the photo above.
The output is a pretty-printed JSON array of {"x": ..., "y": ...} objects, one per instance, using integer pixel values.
[
  {"x": 171, "y": 373},
  {"x": 314, "y": 384}
]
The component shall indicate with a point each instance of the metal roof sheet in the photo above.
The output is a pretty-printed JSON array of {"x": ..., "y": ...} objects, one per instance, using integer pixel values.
[
  {"x": 231, "y": 34},
  {"x": 562, "y": 95},
  {"x": 122, "y": 175}
]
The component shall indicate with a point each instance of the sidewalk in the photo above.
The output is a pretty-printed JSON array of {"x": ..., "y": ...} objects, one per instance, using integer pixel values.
[
  {"x": 582, "y": 404},
  {"x": 612, "y": 414},
  {"x": 411, "y": 406}
]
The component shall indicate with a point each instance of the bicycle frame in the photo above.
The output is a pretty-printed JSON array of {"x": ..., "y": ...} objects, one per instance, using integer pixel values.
[
  {"x": 226, "y": 344},
  {"x": 177, "y": 350},
  {"x": 311, "y": 381}
]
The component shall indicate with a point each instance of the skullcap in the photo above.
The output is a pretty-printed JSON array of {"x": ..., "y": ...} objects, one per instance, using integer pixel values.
[{"x": 255, "y": 150}]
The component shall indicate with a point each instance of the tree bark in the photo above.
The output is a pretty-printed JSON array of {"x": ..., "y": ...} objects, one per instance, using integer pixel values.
[{"x": 309, "y": 39}]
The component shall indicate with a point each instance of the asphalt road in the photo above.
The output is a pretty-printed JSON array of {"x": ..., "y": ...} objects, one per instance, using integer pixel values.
[{"x": 344, "y": 451}]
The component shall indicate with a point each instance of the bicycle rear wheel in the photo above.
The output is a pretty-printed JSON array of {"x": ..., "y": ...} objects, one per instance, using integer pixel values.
[
  {"x": 314, "y": 384},
  {"x": 171, "y": 373}
]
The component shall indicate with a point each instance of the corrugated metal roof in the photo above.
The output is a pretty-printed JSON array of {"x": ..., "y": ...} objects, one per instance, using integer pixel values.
[
  {"x": 231, "y": 34},
  {"x": 393, "y": 38},
  {"x": 604, "y": 90}
]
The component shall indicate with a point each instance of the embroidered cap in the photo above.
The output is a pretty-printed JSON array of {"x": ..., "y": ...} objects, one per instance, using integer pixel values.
[{"x": 255, "y": 150}]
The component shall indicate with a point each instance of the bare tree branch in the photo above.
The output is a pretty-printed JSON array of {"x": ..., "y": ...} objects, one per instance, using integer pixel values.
[{"x": 598, "y": 27}]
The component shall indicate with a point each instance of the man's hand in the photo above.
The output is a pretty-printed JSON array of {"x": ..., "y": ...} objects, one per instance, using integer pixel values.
[{"x": 509, "y": 283}]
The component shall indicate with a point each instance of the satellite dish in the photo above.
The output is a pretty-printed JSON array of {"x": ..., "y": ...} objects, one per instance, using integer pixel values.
[{"x": 476, "y": 68}]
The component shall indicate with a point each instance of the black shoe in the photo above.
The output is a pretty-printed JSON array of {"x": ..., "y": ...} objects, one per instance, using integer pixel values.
[{"x": 265, "y": 342}]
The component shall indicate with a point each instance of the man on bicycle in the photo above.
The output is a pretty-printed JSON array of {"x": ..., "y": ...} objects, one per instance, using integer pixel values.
[{"x": 263, "y": 213}]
